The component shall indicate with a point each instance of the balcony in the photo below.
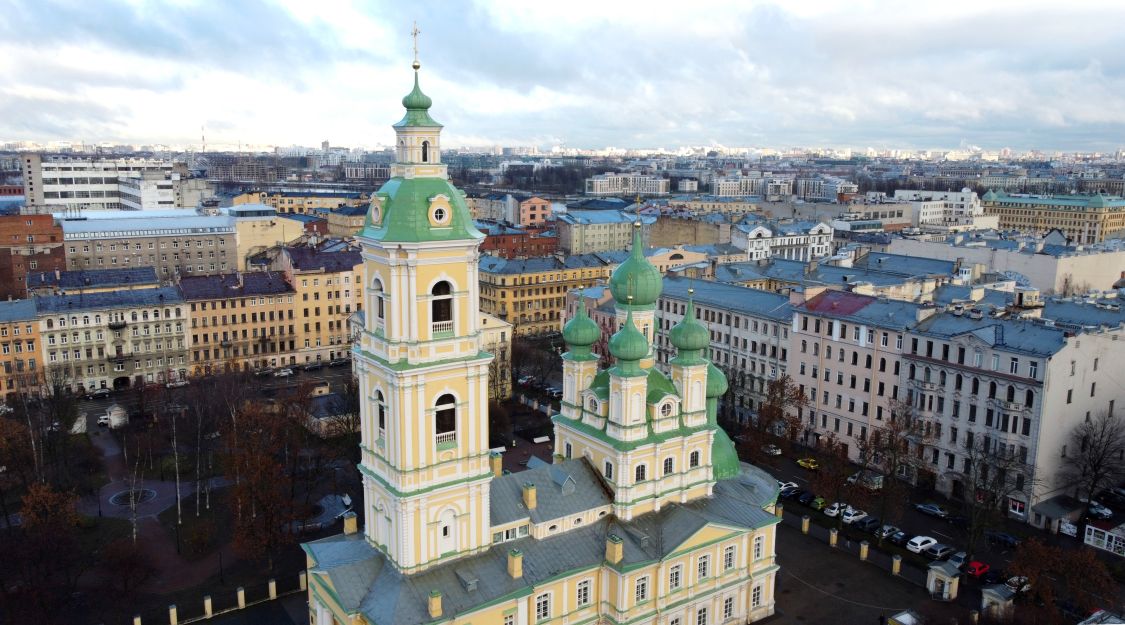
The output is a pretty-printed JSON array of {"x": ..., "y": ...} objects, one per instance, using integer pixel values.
[
  {"x": 1011, "y": 406},
  {"x": 442, "y": 329},
  {"x": 446, "y": 440},
  {"x": 225, "y": 343},
  {"x": 117, "y": 325},
  {"x": 117, "y": 357},
  {"x": 926, "y": 386}
]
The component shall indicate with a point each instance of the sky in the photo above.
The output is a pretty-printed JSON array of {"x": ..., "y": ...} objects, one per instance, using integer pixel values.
[{"x": 583, "y": 74}]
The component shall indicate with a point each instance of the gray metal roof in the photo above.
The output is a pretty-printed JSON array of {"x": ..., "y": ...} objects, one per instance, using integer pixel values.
[
  {"x": 732, "y": 297},
  {"x": 91, "y": 278},
  {"x": 119, "y": 227},
  {"x": 562, "y": 490},
  {"x": 388, "y": 597},
  {"x": 109, "y": 299},
  {"x": 1018, "y": 335}
]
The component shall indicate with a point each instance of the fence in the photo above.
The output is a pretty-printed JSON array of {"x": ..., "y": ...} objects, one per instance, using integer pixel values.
[{"x": 225, "y": 601}]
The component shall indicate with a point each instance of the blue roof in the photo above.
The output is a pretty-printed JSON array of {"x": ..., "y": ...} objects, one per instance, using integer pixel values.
[
  {"x": 146, "y": 226},
  {"x": 92, "y": 278},
  {"x": 1019, "y": 335},
  {"x": 308, "y": 219},
  {"x": 109, "y": 299},
  {"x": 309, "y": 258},
  {"x": 351, "y": 211},
  {"x": 586, "y": 217},
  {"x": 229, "y": 285},
  {"x": 741, "y": 299},
  {"x": 17, "y": 310},
  {"x": 898, "y": 264},
  {"x": 1085, "y": 314},
  {"x": 495, "y": 264}
]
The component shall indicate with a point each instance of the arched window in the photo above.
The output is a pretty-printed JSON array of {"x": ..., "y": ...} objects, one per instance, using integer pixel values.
[
  {"x": 640, "y": 473},
  {"x": 693, "y": 459},
  {"x": 882, "y": 364},
  {"x": 992, "y": 390},
  {"x": 804, "y": 347},
  {"x": 926, "y": 374},
  {"x": 957, "y": 382},
  {"x": 668, "y": 465},
  {"x": 867, "y": 362},
  {"x": 1011, "y": 393},
  {"x": 592, "y": 405},
  {"x": 913, "y": 370},
  {"x": 827, "y": 352},
  {"x": 445, "y": 418},
  {"x": 425, "y": 151},
  {"x": 941, "y": 378},
  {"x": 382, "y": 410},
  {"x": 855, "y": 358},
  {"x": 976, "y": 386},
  {"x": 441, "y": 307},
  {"x": 1029, "y": 399},
  {"x": 377, "y": 294}
]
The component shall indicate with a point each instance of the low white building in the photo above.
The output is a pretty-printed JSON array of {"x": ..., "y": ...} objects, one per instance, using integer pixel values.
[
  {"x": 755, "y": 183},
  {"x": 800, "y": 240},
  {"x": 945, "y": 208},
  {"x": 627, "y": 184},
  {"x": 60, "y": 183}
]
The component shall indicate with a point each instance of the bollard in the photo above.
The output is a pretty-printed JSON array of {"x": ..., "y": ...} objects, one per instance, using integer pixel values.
[
  {"x": 302, "y": 581},
  {"x": 833, "y": 534},
  {"x": 896, "y": 565},
  {"x": 974, "y": 617},
  {"x": 273, "y": 589},
  {"x": 173, "y": 618},
  {"x": 208, "y": 612},
  {"x": 137, "y": 620},
  {"x": 805, "y": 524},
  {"x": 241, "y": 597},
  {"x": 863, "y": 547},
  {"x": 778, "y": 509}
]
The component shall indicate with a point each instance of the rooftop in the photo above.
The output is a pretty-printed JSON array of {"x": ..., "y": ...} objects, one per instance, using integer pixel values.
[
  {"x": 17, "y": 310},
  {"x": 874, "y": 311},
  {"x": 109, "y": 299},
  {"x": 91, "y": 278},
  {"x": 743, "y": 300},
  {"x": 497, "y": 265},
  {"x": 310, "y": 259},
  {"x": 233, "y": 285}
]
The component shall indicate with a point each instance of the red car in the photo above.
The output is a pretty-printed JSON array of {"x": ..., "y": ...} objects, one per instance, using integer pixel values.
[{"x": 977, "y": 569}]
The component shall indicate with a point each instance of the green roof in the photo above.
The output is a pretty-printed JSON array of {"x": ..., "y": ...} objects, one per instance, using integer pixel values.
[
  {"x": 724, "y": 458},
  {"x": 636, "y": 278},
  {"x": 659, "y": 386},
  {"x": 716, "y": 381},
  {"x": 581, "y": 332},
  {"x": 689, "y": 336},
  {"x": 406, "y": 213},
  {"x": 417, "y": 109},
  {"x": 628, "y": 345}
]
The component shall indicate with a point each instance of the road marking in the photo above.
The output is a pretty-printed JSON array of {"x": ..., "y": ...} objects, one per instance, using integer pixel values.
[{"x": 943, "y": 535}]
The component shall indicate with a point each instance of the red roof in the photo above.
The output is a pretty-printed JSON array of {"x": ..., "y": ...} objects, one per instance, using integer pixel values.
[{"x": 840, "y": 303}]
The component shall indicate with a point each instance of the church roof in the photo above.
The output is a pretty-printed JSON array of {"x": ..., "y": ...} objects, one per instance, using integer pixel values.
[
  {"x": 562, "y": 490},
  {"x": 365, "y": 583},
  {"x": 406, "y": 213}
]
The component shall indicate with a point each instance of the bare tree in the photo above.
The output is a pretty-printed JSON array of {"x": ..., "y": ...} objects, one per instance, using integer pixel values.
[
  {"x": 894, "y": 450},
  {"x": 1096, "y": 457}
]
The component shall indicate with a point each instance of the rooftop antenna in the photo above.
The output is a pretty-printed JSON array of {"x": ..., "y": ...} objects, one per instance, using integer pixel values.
[{"x": 203, "y": 137}]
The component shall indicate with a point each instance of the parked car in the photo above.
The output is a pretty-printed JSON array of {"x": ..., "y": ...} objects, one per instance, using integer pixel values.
[
  {"x": 806, "y": 497},
  {"x": 783, "y": 485},
  {"x": 899, "y": 538},
  {"x": 5, "y": 409},
  {"x": 554, "y": 393},
  {"x": 959, "y": 559},
  {"x": 958, "y": 521},
  {"x": 808, "y": 463},
  {"x": 264, "y": 371},
  {"x": 886, "y": 531},
  {"x": 918, "y": 544},
  {"x": 339, "y": 362},
  {"x": 868, "y": 479},
  {"x": 851, "y": 515},
  {"x": 836, "y": 509},
  {"x": 771, "y": 450},
  {"x": 104, "y": 420},
  {"x": 99, "y": 393},
  {"x": 283, "y": 373},
  {"x": 931, "y": 509},
  {"x": 1001, "y": 539},
  {"x": 977, "y": 569},
  {"x": 788, "y": 493},
  {"x": 938, "y": 551},
  {"x": 1018, "y": 583},
  {"x": 524, "y": 380},
  {"x": 868, "y": 524},
  {"x": 177, "y": 384},
  {"x": 1098, "y": 511},
  {"x": 313, "y": 366}
]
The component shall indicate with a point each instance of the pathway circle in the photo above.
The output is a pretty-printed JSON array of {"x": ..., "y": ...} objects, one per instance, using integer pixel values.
[{"x": 141, "y": 496}]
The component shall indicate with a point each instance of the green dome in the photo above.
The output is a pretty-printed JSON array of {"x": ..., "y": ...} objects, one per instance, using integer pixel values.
[
  {"x": 716, "y": 381},
  {"x": 636, "y": 276},
  {"x": 724, "y": 458},
  {"x": 628, "y": 344},
  {"x": 689, "y": 334},
  {"x": 417, "y": 108},
  {"x": 417, "y": 100},
  {"x": 581, "y": 331}
]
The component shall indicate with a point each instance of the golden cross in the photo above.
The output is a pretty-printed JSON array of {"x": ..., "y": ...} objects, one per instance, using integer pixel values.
[{"x": 414, "y": 33}]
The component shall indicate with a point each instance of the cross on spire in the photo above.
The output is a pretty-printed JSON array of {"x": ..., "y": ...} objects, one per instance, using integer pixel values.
[{"x": 414, "y": 33}]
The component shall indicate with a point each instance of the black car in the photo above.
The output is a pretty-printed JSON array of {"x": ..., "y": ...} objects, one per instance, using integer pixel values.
[
  {"x": 340, "y": 362},
  {"x": 868, "y": 524},
  {"x": 788, "y": 493},
  {"x": 313, "y": 366},
  {"x": 806, "y": 497},
  {"x": 1002, "y": 539},
  {"x": 900, "y": 538}
]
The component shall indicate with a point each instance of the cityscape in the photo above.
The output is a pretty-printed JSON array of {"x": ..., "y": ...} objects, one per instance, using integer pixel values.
[{"x": 487, "y": 313}]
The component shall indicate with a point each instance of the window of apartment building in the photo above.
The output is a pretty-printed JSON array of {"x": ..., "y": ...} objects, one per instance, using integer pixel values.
[
  {"x": 641, "y": 591},
  {"x": 583, "y": 593},
  {"x": 1069, "y": 395},
  {"x": 543, "y": 607},
  {"x": 608, "y": 470},
  {"x": 728, "y": 558},
  {"x": 701, "y": 616},
  {"x": 728, "y": 608},
  {"x": 675, "y": 577},
  {"x": 703, "y": 567}
]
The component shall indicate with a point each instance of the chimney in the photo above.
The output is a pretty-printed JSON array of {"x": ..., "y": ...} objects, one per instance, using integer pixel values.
[
  {"x": 351, "y": 525},
  {"x": 515, "y": 563},
  {"x": 496, "y": 463},
  {"x": 435, "y": 604},
  {"x": 529, "y": 498},
  {"x": 614, "y": 549},
  {"x": 58, "y": 275}
]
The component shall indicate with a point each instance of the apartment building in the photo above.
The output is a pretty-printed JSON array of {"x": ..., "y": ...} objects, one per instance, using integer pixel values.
[
  {"x": 496, "y": 339},
  {"x": 796, "y": 240},
  {"x": 91, "y": 281},
  {"x": 627, "y": 185},
  {"x": 303, "y": 201},
  {"x": 508, "y": 241},
  {"x": 594, "y": 231},
  {"x": 28, "y": 243},
  {"x": 749, "y": 331},
  {"x": 328, "y": 282},
  {"x": 156, "y": 190},
  {"x": 531, "y": 293},
  {"x": 58, "y": 183},
  {"x": 1084, "y": 219},
  {"x": 20, "y": 346},
  {"x": 770, "y": 188},
  {"x": 114, "y": 339},
  {"x": 346, "y": 221},
  {"x": 174, "y": 243},
  {"x": 709, "y": 204},
  {"x": 824, "y": 189},
  {"x": 516, "y": 209},
  {"x": 240, "y": 321}
]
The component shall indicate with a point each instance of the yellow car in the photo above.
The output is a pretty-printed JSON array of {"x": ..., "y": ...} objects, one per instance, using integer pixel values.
[{"x": 808, "y": 463}]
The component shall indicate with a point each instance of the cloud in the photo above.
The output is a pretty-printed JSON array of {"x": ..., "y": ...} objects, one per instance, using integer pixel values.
[{"x": 584, "y": 74}]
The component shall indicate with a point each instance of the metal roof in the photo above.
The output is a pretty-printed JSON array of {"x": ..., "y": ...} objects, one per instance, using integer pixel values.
[
  {"x": 229, "y": 285},
  {"x": 732, "y": 297},
  {"x": 109, "y": 299},
  {"x": 91, "y": 278},
  {"x": 17, "y": 310}
]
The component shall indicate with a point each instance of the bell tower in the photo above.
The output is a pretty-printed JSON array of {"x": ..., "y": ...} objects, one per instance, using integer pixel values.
[{"x": 423, "y": 376}]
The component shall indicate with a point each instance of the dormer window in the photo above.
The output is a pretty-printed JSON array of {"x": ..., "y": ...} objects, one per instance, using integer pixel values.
[
  {"x": 666, "y": 409},
  {"x": 592, "y": 405}
]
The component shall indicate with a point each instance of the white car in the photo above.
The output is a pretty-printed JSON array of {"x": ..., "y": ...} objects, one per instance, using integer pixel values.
[
  {"x": 771, "y": 450},
  {"x": 918, "y": 544},
  {"x": 837, "y": 509},
  {"x": 5, "y": 409},
  {"x": 852, "y": 515},
  {"x": 1098, "y": 511},
  {"x": 783, "y": 485},
  {"x": 283, "y": 373},
  {"x": 104, "y": 420},
  {"x": 177, "y": 384}
]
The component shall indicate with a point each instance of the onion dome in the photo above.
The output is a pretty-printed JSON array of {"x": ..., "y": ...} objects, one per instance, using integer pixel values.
[
  {"x": 724, "y": 458},
  {"x": 416, "y": 100},
  {"x": 636, "y": 276},
  {"x": 581, "y": 332},
  {"x": 628, "y": 345},
  {"x": 417, "y": 107},
  {"x": 689, "y": 336},
  {"x": 716, "y": 381}
]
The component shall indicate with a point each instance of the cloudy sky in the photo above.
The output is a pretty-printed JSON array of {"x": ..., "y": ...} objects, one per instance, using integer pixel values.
[{"x": 1023, "y": 74}]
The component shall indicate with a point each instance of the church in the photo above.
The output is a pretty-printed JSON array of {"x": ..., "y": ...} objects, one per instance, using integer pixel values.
[{"x": 645, "y": 514}]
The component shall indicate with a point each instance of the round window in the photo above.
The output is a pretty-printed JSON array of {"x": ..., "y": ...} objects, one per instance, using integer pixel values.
[
  {"x": 440, "y": 214},
  {"x": 374, "y": 214},
  {"x": 666, "y": 409}
]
